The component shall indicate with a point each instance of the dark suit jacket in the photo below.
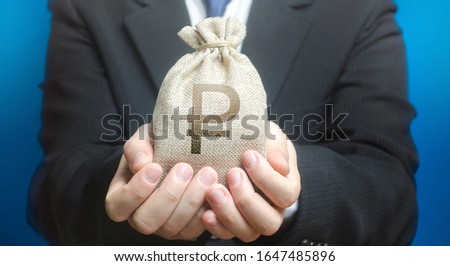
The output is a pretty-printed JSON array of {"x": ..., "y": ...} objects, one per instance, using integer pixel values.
[{"x": 106, "y": 54}]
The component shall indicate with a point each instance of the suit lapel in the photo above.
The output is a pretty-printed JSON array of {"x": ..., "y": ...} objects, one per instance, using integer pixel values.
[
  {"x": 275, "y": 33},
  {"x": 154, "y": 31}
]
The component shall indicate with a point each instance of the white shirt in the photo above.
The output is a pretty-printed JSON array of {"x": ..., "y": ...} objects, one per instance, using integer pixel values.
[{"x": 239, "y": 9}]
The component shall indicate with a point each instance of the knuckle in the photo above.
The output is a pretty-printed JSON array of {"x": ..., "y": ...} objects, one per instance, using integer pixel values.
[
  {"x": 226, "y": 236},
  {"x": 140, "y": 225},
  {"x": 243, "y": 200},
  {"x": 193, "y": 201},
  {"x": 249, "y": 238},
  {"x": 270, "y": 228},
  {"x": 286, "y": 202},
  {"x": 128, "y": 147},
  {"x": 190, "y": 234},
  {"x": 135, "y": 193},
  {"x": 112, "y": 212},
  {"x": 169, "y": 230},
  {"x": 228, "y": 218},
  {"x": 171, "y": 197},
  {"x": 289, "y": 198},
  {"x": 185, "y": 235},
  {"x": 162, "y": 234}
]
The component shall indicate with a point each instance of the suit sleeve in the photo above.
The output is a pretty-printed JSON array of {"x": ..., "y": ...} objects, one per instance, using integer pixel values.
[
  {"x": 66, "y": 197},
  {"x": 361, "y": 191}
]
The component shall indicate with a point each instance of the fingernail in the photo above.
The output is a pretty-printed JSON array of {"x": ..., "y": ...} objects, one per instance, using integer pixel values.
[
  {"x": 234, "y": 178},
  {"x": 249, "y": 160},
  {"x": 183, "y": 172},
  {"x": 216, "y": 196},
  {"x": 206, "y": 178},
  {"x": 152, "y": 175}
]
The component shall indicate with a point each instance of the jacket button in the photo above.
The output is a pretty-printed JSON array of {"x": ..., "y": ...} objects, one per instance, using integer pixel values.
[{"x": 305, "y": 242}]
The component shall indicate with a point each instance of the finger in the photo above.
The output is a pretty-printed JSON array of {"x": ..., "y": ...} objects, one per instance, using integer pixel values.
[
  {"x": 137, "y": 150},
  {"x": 276, "y": 150},
  {"x": 282, "y": 191},
  {"x": 221, "y": 202},
  {"x": 192, "y": 200},
  {"x": 214, "y": 226},
  {"x": 121, "y": 177},
  {"x": 195, "y": 226},
  {"x": 256, "y": 210},
  {"x": 294, "y": 176},
  {"x": 155, "y": 211},
  {"x": 123, "y": 200}
]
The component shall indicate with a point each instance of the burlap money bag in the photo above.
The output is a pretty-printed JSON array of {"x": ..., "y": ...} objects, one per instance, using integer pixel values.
[{"x": 211, "y": 107}]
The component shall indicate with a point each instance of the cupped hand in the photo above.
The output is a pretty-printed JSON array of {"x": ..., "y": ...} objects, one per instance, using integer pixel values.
[
  {"x": 241, "y": 211},
  {"x": 174, "y": 209}
]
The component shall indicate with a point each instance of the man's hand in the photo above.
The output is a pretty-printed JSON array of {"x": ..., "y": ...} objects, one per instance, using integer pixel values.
[
  {"x": 243, "y": 213},
  {"x": 174, "y": 210}
]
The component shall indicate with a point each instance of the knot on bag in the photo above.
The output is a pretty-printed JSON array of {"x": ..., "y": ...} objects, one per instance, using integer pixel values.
[
  {"x": 214, "y": 33},
  {"x": 215, "y": 45}
]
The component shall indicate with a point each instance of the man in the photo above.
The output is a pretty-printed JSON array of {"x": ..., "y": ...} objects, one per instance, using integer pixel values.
[{"x": 318, "y": 59}]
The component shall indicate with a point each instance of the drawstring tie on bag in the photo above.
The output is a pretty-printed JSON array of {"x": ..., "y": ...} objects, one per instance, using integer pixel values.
[{"x": 216, "y": 45}]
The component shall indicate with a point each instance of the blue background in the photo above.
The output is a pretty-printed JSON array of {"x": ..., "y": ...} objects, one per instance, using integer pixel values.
[{"x": 24, "y": 28}]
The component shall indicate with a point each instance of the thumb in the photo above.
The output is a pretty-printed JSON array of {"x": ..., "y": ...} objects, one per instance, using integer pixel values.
[{"x": 138, "y": 150}]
